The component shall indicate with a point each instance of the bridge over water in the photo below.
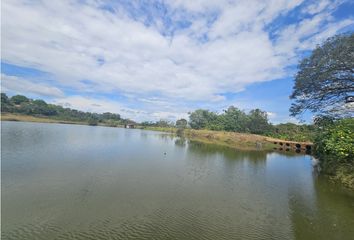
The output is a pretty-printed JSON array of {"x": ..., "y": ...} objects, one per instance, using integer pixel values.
[{"x": 291, "y": 145}]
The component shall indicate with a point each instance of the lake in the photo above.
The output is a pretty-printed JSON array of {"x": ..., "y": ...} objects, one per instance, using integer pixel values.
[{"x": 80, "y": 182}]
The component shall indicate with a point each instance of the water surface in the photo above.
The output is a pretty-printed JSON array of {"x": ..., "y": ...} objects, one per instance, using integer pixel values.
[{"x": 81, "y": 182}]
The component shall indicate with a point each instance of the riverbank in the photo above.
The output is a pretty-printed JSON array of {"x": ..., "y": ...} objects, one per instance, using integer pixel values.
[
  {"x": 335, "y": 151},
  {"x": 26, "y": 118},
  {"x": 242, "y": 141}
]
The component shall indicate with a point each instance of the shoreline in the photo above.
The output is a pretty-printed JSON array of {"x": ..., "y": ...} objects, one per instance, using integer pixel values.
[{"x": 242, "y": 141}]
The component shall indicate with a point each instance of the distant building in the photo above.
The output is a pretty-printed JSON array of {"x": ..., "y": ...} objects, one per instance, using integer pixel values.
[{"x": 130, "y": 125}]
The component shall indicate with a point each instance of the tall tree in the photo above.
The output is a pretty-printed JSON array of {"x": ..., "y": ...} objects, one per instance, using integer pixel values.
[
  {"x": 181, "y": 123},
  {"x": 200, "y": 118},
  {"x": 258, "y": 121},
  {"x": 325, "y": 79},
  {"x": 18, "y": 99},
  {"x": 234, "y": 119}
]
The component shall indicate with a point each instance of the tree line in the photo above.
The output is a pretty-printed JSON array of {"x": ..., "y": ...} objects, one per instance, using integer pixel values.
[
  {"x": 236, "y": 120},
  {"x": 37, "y": 107}
]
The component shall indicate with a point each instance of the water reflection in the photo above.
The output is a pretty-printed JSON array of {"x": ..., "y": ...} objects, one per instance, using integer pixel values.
[
  {"x": 80, "y": 182},
  {"x": 327, "y": 214},
  {"x": 181, "y": 142}
]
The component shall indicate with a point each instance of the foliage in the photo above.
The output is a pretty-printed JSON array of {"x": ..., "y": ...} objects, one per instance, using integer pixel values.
[
  {"x": 258, "y": 122},
  {"x": 234, "y": 120},
  {"x": 18, "y": 99},
  {"x": 202, "y": 118},
  {"x": 5, "y": 101},
  {"x": 4, "y": 98},
  {"x": 293, "y": 132},
  {"x": 337, "y": 140},
  {"x": 164, "y": 123},
  {"x": 334, "y": 146},
  {"x": 325, "y": 79},
  {"x": 160, "y": 124},
  {"x": 23, "y": 105},
  {"x": 231, "y": 120},
  {"x": 92, "y": 121},
  {"x": 181, "y": 123}
]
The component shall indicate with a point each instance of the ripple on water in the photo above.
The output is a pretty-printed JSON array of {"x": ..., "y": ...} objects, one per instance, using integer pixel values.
[{"x": 162, "y": 224}]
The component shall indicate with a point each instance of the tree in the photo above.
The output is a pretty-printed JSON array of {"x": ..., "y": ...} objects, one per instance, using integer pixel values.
[
  {"x": 235, "y": 120},
  {"x": 4, "y": 98},
  {"x": 18, "y": 99},
  {"x": 181, "y": 123},
  {"x": 5, "y": 103},
  {"x": 201, "y": 118},
  {"x": 92, "y": 121},
  {"x": 258, "y": 121},
  {"x": 334, "y": 148},
  {"x": 326, "y": 78},
  {"x": 163, "y": 123},
  {"x": 111, "y": 116}
]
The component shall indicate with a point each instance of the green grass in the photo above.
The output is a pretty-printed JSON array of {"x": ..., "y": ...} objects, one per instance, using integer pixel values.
[{"x": 242, "y": 141}]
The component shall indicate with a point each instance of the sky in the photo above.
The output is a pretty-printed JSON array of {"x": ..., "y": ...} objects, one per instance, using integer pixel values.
[{"x": 151, "y": 60}]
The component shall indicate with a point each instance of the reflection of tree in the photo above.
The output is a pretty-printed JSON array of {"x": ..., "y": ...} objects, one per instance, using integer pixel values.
[
  {"x": 166, "y": 136},
  {"x": 181, "y": 142},
  {"x": 331, "y": 216},
  {"x": 143, "y": 134},
  {"x": 205, "y": 149}
]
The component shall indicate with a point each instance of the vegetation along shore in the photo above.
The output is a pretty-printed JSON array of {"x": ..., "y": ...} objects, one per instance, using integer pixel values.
[
  {"x": 328, "y": 98},
  {"x": 233, "y": 128}
]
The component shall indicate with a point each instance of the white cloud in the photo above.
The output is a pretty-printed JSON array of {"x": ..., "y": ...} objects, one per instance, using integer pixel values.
[
  {"x": 321, "y": 5},
  {"x": 271, "y": 115},
  {"x": 24, "y": 86},
  {"x": 75, "y": 41},
  {"x": 101, "y": 105}
]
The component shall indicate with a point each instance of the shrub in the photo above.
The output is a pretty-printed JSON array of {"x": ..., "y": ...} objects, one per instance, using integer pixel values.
[
  {"x": 92, "y": 122},
  {"x": 334, "y": 146}
]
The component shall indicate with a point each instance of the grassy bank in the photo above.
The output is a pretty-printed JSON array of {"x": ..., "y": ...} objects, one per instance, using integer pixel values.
[
  {"x": 242, "y": 141},
  {"x": 27, "y": 118},
  {"x": 231, "y": 139}
]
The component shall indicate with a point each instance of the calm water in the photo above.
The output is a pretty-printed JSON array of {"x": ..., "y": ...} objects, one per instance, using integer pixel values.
[{"x": 81, "y": 182}]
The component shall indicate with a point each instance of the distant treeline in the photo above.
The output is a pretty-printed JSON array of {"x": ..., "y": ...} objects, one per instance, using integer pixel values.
[
  {"x": 231, "y": 120},
  {"x": 235, "y": 120},
  {"x": 23, "y": 105}
]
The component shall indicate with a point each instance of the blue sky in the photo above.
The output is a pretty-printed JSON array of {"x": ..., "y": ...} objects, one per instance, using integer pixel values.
[{"x": 151, "y": 60}]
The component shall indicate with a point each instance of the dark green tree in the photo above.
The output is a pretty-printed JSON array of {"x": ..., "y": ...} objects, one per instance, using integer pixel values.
[
  {"x": 18, "y": 99},
  {"x": 181, "y": 123},
  {"x": 4, "y": 98},
  {"x": 325, "y": 79},
  {"x": 5, "y": 103},
  {"x": 235, "y": 120},
  {"x": 258, "y": 121},
  {"x": 201, "y": 118},
  {"x": 92, "y": 121}
]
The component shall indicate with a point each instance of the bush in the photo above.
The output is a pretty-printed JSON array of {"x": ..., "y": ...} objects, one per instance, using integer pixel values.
[
  {"x": 92, "y": 122},
  {"x": 334, "y": 146},
  {"x": 18, "y": 99}
]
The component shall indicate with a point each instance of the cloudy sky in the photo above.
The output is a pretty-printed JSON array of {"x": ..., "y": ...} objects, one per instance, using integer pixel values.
[{"x": 150, "y": 60}]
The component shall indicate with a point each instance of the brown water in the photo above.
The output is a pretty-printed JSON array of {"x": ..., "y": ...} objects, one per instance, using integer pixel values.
[{"x": 81, "y": 182}]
